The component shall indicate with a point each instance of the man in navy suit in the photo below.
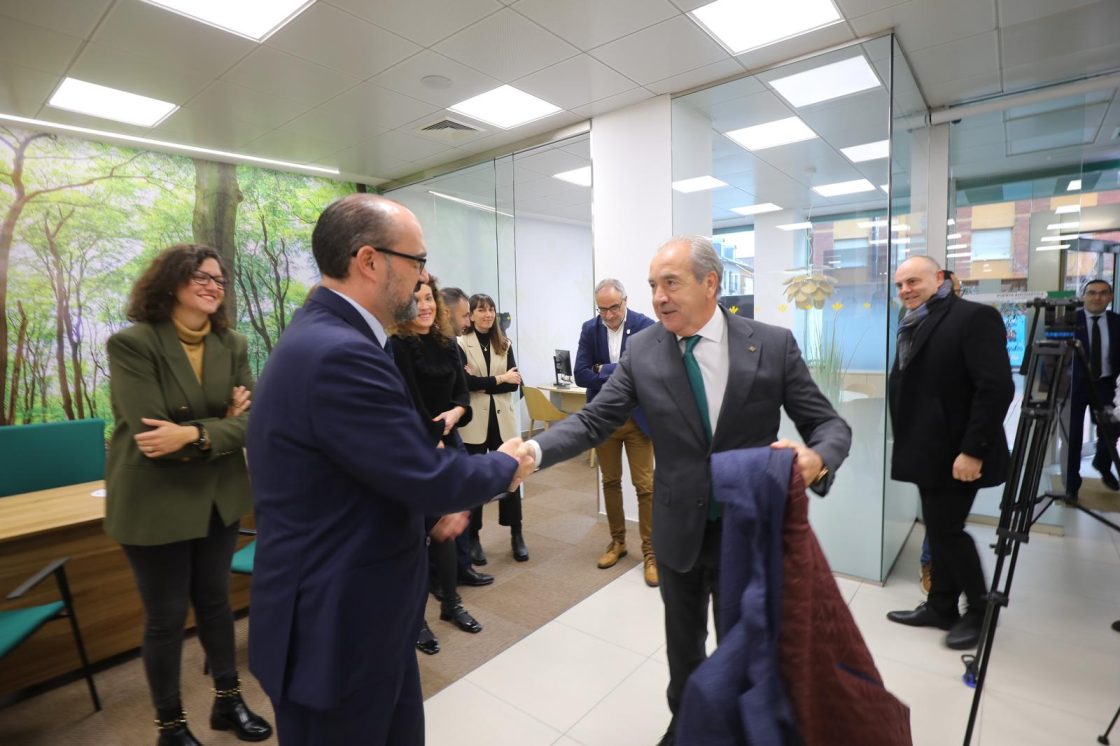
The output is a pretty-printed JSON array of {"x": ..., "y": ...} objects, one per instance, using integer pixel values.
[
  {"x": 601, "y": 344},
  {"x": 1098, "y": 329},
  {"x": 343, "y": 474}
]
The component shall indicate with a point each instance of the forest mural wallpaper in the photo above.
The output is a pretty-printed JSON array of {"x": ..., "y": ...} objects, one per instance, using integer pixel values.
[{"x": 82, "y": 219}]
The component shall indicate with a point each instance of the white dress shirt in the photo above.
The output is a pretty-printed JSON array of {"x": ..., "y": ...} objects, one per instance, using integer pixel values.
[
  {"x": 614, "y": 340},
  {"x": 713, "y": 355},
  {"x": 374, "y": 324}
]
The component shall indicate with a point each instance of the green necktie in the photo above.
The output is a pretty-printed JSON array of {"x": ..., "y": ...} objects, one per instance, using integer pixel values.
[{"x": 696, "y": 383}]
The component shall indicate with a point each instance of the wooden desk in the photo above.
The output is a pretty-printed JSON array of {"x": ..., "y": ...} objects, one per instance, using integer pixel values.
[
  {"x": 36, "y": 527},
  {"x": 566, "y": 398}
]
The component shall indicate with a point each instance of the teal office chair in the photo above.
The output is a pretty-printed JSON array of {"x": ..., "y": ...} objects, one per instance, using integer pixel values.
[
  {"x": 37, "y": 449},
  {"x": 243, "y": 558},
  {"x": 16, "y": 625}
]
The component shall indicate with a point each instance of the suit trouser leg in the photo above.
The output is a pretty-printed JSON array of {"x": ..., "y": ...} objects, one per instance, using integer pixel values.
[
  {"x": 955, "y": 559},
  {"x": 1106, "y": 389},
  {"x": 686, "y": 597},
  {"x": 1076, "y": 434},
  {"x": 609, "y": 453},
  {"x": 475, "y": 449},
  {"x": 379, "y": 713},
  {"x": 442, "y": 557},
  {"x": 639, "y": 454}
]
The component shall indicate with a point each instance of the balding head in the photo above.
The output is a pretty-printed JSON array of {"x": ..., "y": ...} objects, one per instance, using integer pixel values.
[
  {"x": 917, "y": 279},
  {"x": 352, "y": 222}
]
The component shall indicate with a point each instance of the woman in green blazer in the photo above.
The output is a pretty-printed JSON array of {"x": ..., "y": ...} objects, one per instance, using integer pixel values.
[{"x": 176, "y": 477}]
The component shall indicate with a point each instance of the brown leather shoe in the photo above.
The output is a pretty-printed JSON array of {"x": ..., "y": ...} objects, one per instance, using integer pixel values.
[
  {"x": 651, "y": 571},
  {"x": 616, "y": 550}
]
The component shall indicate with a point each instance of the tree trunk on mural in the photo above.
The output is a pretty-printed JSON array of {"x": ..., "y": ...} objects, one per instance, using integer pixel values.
[
  {"x": 17, "y": 364},
  {"x": 216, "y": 196}
]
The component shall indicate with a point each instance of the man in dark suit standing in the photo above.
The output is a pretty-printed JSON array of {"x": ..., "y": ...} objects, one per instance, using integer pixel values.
[
  {"x": 707, "y": 381},
  {"x": 949, "y": 391},
  {"x": 1098, "y": 330},
  {"x": 343, "y": 473},
  {"x": 601, "y": 344}
]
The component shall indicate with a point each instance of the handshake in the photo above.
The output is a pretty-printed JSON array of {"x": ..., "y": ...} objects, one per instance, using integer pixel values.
[{"x": 517, "y": 448}]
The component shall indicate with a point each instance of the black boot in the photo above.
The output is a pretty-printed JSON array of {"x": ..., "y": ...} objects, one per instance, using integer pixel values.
[
  {"x": 173, "y": 730},
  {"x": 231, "y": 713},
  {"x": 517, "y": 543},
  {"x": 478, "y": 557}
]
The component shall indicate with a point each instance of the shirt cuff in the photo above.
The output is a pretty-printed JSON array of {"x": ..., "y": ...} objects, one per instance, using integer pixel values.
[{"x": 536, "y": 453}]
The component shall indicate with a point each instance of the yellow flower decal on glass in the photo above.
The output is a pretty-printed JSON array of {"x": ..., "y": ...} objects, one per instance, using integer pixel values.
[
  {"x": 734, "y": 310},
  {"x": 782, "y": 307},
  {"x": 867, "y": 305},
  {"x": 837, "y": 306}
]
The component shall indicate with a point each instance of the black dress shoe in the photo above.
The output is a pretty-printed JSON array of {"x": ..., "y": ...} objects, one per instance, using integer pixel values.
[
  {"x": 478, "y": 557},
  {"x": 461, "y": 618},
  {"x": 517, "y": 543},
  {"x": 426, "y": 642},
  {"x": 470, "y": 576},
  {"x": 922, "y": 616},
  {"x": 965, "y": 634},
  {"x": 669, "y": 739},
  {"x": 231, "y": 713},
  {"x": 1116, "y": 626},
  {"x": 1104, "y": 466}
]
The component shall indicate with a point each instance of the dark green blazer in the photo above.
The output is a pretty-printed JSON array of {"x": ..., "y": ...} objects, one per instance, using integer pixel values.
[{"x": 167, "y": 499}]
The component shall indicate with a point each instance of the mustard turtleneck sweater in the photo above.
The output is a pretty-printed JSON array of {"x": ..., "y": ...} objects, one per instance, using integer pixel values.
[{"x": 194, "y": 344}]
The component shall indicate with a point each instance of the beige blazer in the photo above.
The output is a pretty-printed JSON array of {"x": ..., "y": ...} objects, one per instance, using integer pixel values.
[{"x": 481, "y": 402}]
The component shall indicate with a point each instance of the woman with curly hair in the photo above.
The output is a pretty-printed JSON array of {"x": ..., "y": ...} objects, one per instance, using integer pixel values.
[{"x": 176, "y": 479}]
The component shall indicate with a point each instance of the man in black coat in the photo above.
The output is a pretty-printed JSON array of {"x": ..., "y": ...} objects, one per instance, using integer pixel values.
[
  {"x": 1098, "y": 330},
  {"x": 949, "y": 392}
]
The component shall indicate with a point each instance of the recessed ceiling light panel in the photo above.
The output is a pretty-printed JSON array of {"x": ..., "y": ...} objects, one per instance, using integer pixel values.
[
  {"x": 577, "y": 176},
  {"x": 697, "y": 184},
  {"x": 1074, "y": 185},
  {"x": 253, "y": 19},
  {"x": 505, "y": 107},
  {"x": 110, "y": 103},
  {"x": 841, "y": 188},
  {"x": 827, "y": 82},
  {"x": 742, "y": 25},
  {"x": 796, "y": 226},
  {"x": 772, "y": 134},
  {"x": 756, "y": 209},
  {"x": 1067, "y": 209},
  {"x": 868, "y": 152}
]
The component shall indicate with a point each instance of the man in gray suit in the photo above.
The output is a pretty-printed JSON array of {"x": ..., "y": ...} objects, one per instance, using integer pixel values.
[{"x": 708, "y": 381}]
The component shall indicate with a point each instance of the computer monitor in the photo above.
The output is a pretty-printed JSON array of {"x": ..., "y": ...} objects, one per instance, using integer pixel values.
[{"x": 562, "y": 362}]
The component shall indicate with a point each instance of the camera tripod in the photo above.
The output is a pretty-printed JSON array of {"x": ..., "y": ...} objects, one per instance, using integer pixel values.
[{"x": 1048, "y": 369}]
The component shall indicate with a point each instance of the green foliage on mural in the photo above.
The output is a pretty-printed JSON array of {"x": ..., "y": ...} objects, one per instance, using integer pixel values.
[{"x": 80, "y": 222}]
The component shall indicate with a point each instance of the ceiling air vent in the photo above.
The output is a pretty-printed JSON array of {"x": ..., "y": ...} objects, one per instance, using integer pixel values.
[
  {"x": 448, "y": 124},
  {"x": 449, "y": 131}
]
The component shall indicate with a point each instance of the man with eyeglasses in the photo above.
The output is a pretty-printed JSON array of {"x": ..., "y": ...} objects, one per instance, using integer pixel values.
[
  {"x": 1098, "y": 330},
  {"x": 601, "y": 343},
  {"x": 343, "y": 473}
]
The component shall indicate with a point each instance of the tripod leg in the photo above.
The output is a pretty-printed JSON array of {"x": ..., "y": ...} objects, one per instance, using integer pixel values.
[{"x": 1103, "y": 738}]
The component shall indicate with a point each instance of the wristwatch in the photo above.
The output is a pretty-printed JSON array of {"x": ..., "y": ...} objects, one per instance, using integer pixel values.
[
  {"x": 203, "y": 441},
  {"x": 821, "y": 475},
  {"x": 597, "y": 367}
]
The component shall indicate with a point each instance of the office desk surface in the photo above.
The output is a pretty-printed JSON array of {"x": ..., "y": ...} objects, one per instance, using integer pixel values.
[
  {"x": 563, "y": 389},
  {"x": 32, "y": 513}
]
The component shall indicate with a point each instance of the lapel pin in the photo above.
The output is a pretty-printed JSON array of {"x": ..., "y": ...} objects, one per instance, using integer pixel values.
[{"x": 752, "y": 348}]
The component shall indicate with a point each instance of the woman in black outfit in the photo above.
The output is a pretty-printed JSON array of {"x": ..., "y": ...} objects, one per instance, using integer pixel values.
[
  {"x": 492, "y": 378},
  {"x": 426, "y": 355}
]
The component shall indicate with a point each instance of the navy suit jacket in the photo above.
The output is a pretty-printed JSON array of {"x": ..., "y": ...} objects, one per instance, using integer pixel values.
[
  {"x": 594, "y": 349},
  {"x": 343, "y": 472},
  {"x": 1082, "y": 334}
]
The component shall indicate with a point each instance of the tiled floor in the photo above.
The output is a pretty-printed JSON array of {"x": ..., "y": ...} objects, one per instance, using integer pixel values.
[{"x": 597, "y": 674}]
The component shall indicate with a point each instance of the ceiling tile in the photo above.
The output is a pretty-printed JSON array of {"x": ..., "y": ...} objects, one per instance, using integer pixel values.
[
  {"x": 74, "y": 17},
  {"x": 1012, "y": 12},
  {"x": 855, "y": 8},
  {"x": 927, "y": 23},
  {"x": 968, "y": 57},
  {"x": 701, "y": 75},
  {"x": 1078, "y": 30},
  {"x": 406, "y": 78},
  {"x": 618, "y": 101},
  {"x": 202, "y": 128},
  {"x": 575, "y": 82},
  {"x": 361, "y": 113},
  {"x": 143, "y": 29},
  {"x": 645, "y": 55},
  {"x": 687, "y": 5},
  {"x": 355, "y": 160},
  {"x": 962, "y": 89},
  {"x": 1077, "y": 64},
  {"x": 23, "y": 91},
  {"x": 287, "y": 145},
  {"x": 408, "y": 147},
  {"x": 590, "y": 23},
  {"x": 423, "y": 21},
  {"x": 272, "y": 71},
  {"x": 36, "y": 48},
  {"x": 338, "y": 40},
  {"x": 157, "y": 77},
  {"x": 506, "y": 46},
  {"x": 223, "y": 100},
  {"x": 852, "y": 120}
]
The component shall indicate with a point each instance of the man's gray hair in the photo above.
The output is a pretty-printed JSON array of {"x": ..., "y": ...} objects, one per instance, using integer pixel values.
[
  {"x": 703, "y": 255},
  {"x": 610, "y": 282}
]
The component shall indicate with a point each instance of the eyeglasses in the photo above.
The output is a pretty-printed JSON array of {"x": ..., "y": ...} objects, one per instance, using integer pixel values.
[
  {"x": 202, "y": 279},
  {"x": 604, "y": 310},
  {"x": 1097, "y": 293},
  {"x": 420, "y": 260}
]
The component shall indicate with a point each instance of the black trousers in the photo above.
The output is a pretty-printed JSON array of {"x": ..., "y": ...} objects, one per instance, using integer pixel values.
[
  {"x": 1078, "y": 403},
  {"x": 171, "y": 576},
  {"x": 443, "y": 563},
  {"x": 956, "y": 564},
  {"x": 686, "y": 596},
  {"x": 509, "y": 507}
]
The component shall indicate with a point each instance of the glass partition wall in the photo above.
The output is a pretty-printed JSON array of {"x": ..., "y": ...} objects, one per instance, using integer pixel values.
[{"x": 816, "y": 188}]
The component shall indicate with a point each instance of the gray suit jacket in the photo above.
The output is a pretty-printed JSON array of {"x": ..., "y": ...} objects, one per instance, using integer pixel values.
[{"x": 767, "y": 373}]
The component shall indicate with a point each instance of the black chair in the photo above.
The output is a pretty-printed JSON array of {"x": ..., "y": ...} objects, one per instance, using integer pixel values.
[{"x": 16, "y": 625}]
